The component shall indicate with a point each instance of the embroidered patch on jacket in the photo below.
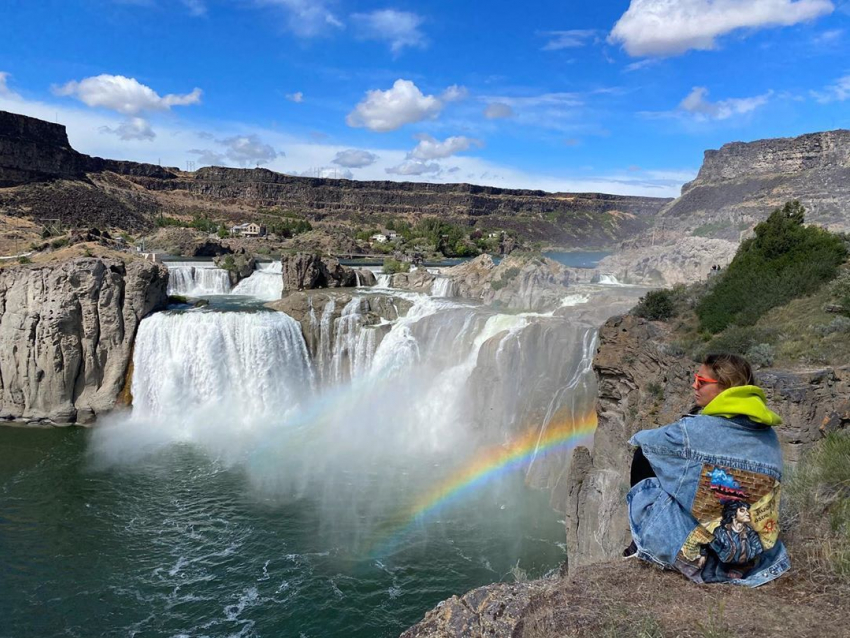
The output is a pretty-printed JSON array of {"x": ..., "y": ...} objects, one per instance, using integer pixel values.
[{"x": 738, "y": 514}]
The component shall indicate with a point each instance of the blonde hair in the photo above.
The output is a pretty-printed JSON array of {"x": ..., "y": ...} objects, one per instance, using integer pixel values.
[{"x": 730, "y": 369}]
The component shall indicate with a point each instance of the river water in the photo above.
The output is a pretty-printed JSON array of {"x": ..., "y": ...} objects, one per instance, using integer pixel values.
[{"x": 255, "y": 490}]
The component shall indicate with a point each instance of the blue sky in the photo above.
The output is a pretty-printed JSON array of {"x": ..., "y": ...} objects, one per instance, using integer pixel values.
[{"x": 619, "y": 97}]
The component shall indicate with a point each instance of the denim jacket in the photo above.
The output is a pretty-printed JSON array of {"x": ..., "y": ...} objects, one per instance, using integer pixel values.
[{"x": 712, "y": 510}]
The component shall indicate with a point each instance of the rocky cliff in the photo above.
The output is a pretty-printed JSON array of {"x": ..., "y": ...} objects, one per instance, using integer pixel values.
[
  {"x": 50, "y": 178},
  {"x": 737, "y": 187},
  {"x": 67, "y": 334}
]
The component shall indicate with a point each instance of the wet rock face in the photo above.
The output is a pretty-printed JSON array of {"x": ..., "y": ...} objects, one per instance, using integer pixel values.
[
  {"x": 66, "y": 335},
  {"x": 644, "y": 383}
]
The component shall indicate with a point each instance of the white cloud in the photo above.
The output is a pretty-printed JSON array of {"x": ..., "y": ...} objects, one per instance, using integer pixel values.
[
  {"x": 399, "y": 28},
  {"x": 836, "y": 92},
  {"x": 570, "y": 39},
  {"x": 430, "y": 148},
  {"x": 133, "y": 128},
  {"x": 248, "y": 150},
  {"x": 195, "y": 7},
  {"x": 542, "y": 100},
  {"x": 306, "y": 18},
  {"x": 296, "y": 97},
  {"x": 208, "y": 157},
  {"x": 389, "y": 110},
  {"x": 671, "y": 27},
  {"x": 4, "y": 86},
  {"x": 354, "y": 158},
  {"x": 124, "y": 95},
  {"x": 414, "y": 167},
  {"x": 697, "y": 104},
  {"x": 498, "y": 110},
  {"x": 455, "y": 93},
  {"x": 328, "y": 172}
]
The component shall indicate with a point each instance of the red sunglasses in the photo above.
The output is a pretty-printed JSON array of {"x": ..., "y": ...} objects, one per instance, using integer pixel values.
[{"x": 701, "y": 381}]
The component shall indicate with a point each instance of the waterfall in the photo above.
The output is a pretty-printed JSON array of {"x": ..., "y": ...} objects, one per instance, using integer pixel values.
[
  {"x": 194, "y": 279},
  {"x": 609, "y": 280},
  {"x": 252, "y": 365},
  {"x": 383, "y": 281},
  {"x": 443, "y": 287},
  {"x": 265, "y": 283}
]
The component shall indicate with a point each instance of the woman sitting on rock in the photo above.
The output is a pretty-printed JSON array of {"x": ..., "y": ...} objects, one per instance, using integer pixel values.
[{"x": 705, "y": 490}]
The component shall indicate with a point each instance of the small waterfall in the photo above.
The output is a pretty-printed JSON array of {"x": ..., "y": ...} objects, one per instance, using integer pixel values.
[
  {"x": 195, "y": 279},
  {"x": 609, "y": 280},
  {"x": 443, "y": 287},
  {"x": 264, "y": 283},
  {"x": 384, "y": 281}
]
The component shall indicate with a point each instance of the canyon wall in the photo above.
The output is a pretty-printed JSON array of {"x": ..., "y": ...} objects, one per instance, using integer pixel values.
[{"x": 66, "y": 335}]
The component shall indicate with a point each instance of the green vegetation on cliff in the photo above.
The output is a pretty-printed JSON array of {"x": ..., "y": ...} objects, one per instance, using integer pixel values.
[
  {"x": 784, "y": 299},
  {"x": 785, "y": 260}
]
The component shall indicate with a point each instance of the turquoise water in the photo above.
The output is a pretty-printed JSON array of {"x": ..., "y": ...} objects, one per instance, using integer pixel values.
[
  {"x": 179, "y": 545},
  {"x": 578, "y": 259}
]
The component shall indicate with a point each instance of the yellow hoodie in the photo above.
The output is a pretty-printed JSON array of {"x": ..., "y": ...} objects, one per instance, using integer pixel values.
[{"x": 746, "y": 400}]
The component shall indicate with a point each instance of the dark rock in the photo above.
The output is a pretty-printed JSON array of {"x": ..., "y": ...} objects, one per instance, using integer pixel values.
[
  {"x": 239, "y": 264},
  {"x": 305, "y": 271}
]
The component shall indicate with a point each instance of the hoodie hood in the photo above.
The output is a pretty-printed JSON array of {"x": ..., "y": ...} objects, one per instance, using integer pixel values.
[{"x": 743, "y": 400}]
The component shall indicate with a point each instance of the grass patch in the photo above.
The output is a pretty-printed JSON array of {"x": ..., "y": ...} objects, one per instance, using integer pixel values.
[{"x": 817, "y": 506}]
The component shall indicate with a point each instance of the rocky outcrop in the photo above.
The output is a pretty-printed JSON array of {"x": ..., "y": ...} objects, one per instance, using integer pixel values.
[
  {"x": 238, "y": 264},
  {"x": 517, "y": 282},
  {"x": 417, "y": 280},
  {"x": 34, "y": 150},
  {"x": 67, "y": 334},
  {"x": 644, "y": 382},
  {"x": 305, "y": 271},
  {"x": 689, "y": 260}
]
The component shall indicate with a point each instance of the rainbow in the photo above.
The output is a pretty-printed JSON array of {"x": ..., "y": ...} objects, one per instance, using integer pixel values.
[{"x": 561, "y": 436}]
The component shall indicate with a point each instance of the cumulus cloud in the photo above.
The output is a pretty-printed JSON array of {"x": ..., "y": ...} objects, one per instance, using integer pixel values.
[
  {"x": 671, "y": 27},
  {"x": 697, "y": 104},
  {"x": 404, "y": 103},
  {"x": 124, "y": 95},
  {"x": 354, "y": 158},
  {"x": 399, "y": 28},
  {"x": 208, "y": 157},
  {"x": 415, "y": 167},
  {"x": 498, "y": 110},
  {"x": 296, "y": 97},
  {"x": 570, "y": 39},
  {"x": 246, "y": 150},
  {"x": 133, "y": 128},
  {"x": 836, "y": 92},
  {"x": 328, "y": 172},
  {"x": 455, "y": 93},
  {"x": 306, "y": 18},
  {"x": 430, "y": 148}
]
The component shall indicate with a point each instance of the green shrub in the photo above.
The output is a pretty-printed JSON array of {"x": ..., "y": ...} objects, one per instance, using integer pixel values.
[
  {"x": 839, "y": 324},
  {"x": 23, "y": 259},
  {"x": 784, "y": 260},
  {"x": 761, "y": 355},
  {"x": 736, "y": 340},
  {"x": 656, "y": 305},
  {"x": 229, "y": 263},
  {"x": 223, "y": 232},
  {"x": 164, "y": 222},
  {"x": 59, "y": 243},
  {"x": 392, "y": 266}
]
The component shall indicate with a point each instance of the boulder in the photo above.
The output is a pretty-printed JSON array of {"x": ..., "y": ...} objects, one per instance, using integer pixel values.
[
  {"x": 239, "y": 264},
  {"x": 306, "y": 271}
]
